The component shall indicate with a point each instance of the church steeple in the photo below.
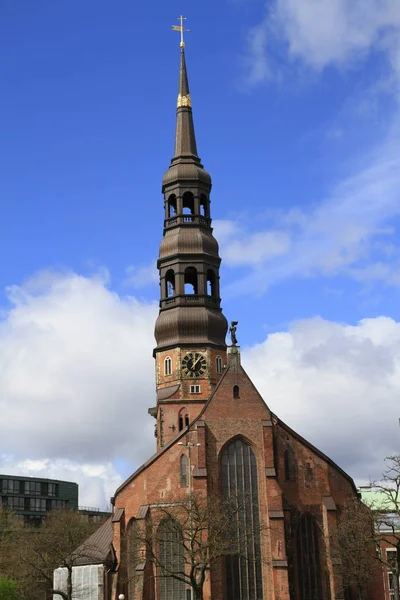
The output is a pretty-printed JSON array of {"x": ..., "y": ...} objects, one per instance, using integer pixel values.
[
  {"x": 190, "y": 329},
  {"x": 185, "y": 139}
]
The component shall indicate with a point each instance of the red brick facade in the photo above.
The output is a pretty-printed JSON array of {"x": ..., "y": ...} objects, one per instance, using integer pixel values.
[{"x": 294, "y": 479}]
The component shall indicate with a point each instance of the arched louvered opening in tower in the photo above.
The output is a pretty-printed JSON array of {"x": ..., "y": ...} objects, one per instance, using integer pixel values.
[
  {"x": 191, "y": 281},
  {"x": 188, "y": 207},
  {"x": 170, "y": 283},
  {"x": 171, "y": 560},
  {"x": 171, "y": 206},
  {"x": 211, "y": 283},
  {"x": 204, "y": 206}
]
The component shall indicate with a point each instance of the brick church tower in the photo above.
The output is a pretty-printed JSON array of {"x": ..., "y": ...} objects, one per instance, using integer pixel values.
[
  {"x": 216, "y": 435},
  {"x": 190, "y": 330}
]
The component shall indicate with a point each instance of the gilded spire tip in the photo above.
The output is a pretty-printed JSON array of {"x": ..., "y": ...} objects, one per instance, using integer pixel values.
[{"x": 181, "y": 29}]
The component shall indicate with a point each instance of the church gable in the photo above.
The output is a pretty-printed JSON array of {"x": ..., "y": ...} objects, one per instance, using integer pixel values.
[{"x": 236, "y": 397}]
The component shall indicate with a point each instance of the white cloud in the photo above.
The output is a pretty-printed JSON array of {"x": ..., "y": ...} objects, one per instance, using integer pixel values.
[
  {"x": 244, "y": 248},
  {"x": 337, "y": 385},
  {"x": 139, "y": 277},
  {"x": 341, "y": 235},
  {"x": 321, "y": 33},
  {"x": 76, "y": 375},
  {"x": 77, "y": 378}
]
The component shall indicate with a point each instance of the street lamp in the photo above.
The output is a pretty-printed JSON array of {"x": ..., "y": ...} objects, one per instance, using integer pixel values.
[{"x": 190, "y": 445}]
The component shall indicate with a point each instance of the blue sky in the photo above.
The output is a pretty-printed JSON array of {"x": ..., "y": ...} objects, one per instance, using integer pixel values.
[{"x": 297, "y": 120}]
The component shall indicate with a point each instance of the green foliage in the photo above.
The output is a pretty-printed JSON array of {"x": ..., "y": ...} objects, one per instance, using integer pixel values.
[{"x": 8, "y": 589}]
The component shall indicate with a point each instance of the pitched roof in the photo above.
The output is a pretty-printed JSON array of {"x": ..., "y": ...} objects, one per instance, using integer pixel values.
[{"x": 97, "y": 549}]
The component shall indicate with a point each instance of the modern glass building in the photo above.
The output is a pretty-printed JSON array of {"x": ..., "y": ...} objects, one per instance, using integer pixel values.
[{"x": 33, "y": 497}]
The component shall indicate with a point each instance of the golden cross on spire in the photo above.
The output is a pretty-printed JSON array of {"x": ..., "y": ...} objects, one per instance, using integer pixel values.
[{"x": 181, "y": 29}]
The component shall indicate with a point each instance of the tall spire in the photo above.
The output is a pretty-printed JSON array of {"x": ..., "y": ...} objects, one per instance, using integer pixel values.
[{"x": 185, "y": 139}]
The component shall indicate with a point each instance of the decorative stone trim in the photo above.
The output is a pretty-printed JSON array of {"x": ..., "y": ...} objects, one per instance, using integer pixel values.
[
  {"x": 276, "y": 514},
  {"x": 266, "y": 423},
  {"x": 199, "y": 472},
  {"x": 329, "y": 503},
  {"x": 270, "y": 471},
  {"x": 279, "y": 564}
]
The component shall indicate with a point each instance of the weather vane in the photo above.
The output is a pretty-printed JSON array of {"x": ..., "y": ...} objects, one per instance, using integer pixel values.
[{"x": 181, "y": 29}]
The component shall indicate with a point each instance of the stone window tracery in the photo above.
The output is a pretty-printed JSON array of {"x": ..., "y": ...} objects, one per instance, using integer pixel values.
[{"x": 240, "y": 484}]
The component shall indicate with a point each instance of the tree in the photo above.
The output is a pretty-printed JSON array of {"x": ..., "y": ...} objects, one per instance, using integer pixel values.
[
  {"x": 182, "y": 540},
  {"x": 354, "y": 542},
  {"x": 8, "y": 589},
  {"x": 35, "y": 552},
  {"x": 364, "y": 530},
  {"x": 386, "y": 508}
]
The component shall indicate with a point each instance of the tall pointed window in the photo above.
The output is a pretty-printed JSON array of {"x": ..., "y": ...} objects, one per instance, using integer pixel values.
[
  {"x": 171, "y": 559},
  {"x": 184, "y": 470},
  {"x": 183, "y": 418},
  {"x": 168, "y": 366},
  {"x": 239, "y": 482},
  {"x": 218, "y": 362},
  {"x": 309, "y": 567},
  {"x": 133, "y": 555}
]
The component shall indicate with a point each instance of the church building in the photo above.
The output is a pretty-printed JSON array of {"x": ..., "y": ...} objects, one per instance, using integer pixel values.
[{"x": 215, "y": 435}]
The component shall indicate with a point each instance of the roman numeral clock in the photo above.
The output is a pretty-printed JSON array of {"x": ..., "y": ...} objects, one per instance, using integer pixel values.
[{"x": 194, "y": 364}]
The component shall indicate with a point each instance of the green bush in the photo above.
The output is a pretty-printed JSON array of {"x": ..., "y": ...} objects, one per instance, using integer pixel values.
[{"x": 8, "y": 589}]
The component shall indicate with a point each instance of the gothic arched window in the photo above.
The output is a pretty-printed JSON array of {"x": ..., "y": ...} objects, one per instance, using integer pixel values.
[
  {"x": 236, "y": 391},
  {"x": 168, "y": 365},
  {"x": 133, "y": 555},
  {"x": 240, "y": 484},
  {"x": 191, "y": 285},
  {"x": 184, "y": 473},
  {"x": 218, "y": 364},
  {"x": 170, "y": 283},
  {"x": 183, "y": 419},
  {"x": 289, "y": 464},
  {"x": 171, "y": 559},
  {"x": 309, "y": 567}
]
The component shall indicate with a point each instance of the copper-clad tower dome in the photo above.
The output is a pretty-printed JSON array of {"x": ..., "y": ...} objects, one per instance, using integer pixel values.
[{"x": 190, "y": 329}]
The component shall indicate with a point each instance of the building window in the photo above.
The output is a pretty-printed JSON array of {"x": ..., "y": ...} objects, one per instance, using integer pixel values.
[
  {"x": 183, "y": 419},
  {"x": 172, "y": 559},
  {"x": 195, "y": 389},
  {"x": 289, "y": 465},
  {"x": 309, "y": 567},
  {"x": 37, "y": 504},
  {"x": 16, "y": 502},
  {"x": 168, "y": 366},
  {"x": 183, "y": 470},
  {"x": 10, "y": 486},
  {"x": 33, "y": 488},
  {"x": 58, "y": 504},
  {"x": 391, "y": 557},
  {"x": 218, "y": 361},
  {"x": 236, "y": 391},
  {"x": 239, "y": 482},
  {"x": 52, "y": 489}
]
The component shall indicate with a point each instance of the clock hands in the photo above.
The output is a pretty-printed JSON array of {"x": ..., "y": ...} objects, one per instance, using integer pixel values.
[{"x": 196, "y": 361}]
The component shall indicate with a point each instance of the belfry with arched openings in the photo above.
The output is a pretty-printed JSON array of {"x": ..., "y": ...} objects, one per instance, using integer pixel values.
[{"x": 216, "y": 437}]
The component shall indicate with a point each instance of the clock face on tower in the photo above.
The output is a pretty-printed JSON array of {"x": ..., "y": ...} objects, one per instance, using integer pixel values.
[{"x": 194, "y": 364}]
